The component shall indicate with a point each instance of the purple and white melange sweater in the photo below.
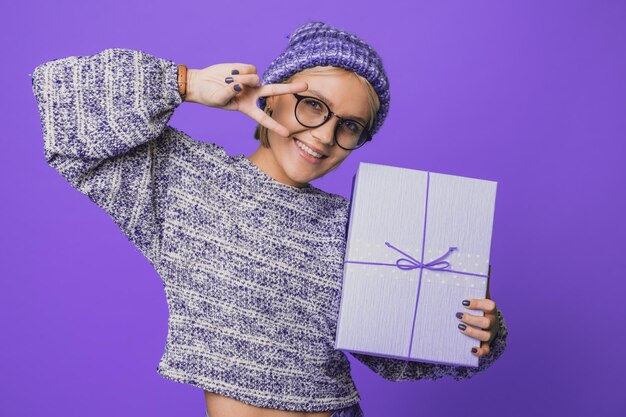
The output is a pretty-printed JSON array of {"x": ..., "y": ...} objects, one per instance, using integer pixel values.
[{"x": 252, "y": 268}]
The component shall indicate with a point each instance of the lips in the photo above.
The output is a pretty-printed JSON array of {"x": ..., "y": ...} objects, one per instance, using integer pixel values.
[{"x": 312, "y": 147}]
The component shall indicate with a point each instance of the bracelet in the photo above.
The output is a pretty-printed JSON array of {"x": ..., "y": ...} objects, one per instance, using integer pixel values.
[{"x": 182, "y": 80}]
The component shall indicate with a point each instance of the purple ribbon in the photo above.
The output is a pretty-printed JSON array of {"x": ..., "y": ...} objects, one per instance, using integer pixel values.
[{"x": 411, "y": 263}]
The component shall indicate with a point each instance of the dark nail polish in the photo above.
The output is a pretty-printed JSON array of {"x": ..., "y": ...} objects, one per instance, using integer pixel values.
[
  {"x": 237, "y": 87},
  {"x": 459, "y": 315},
  {"x": 229, "y": 80},
  {"x": 474, "y": 350},
  {"x": 462, "y": 326},
  {"x": 466, "y": 302},
  {"x": 234, "y": 72}
]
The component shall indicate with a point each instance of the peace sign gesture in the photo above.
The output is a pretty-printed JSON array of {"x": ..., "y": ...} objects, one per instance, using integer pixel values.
[{"x": 234, "y": 86}]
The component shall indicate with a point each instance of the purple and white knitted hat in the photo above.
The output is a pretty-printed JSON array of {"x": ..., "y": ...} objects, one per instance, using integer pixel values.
[{"x": 317, "y": 43}]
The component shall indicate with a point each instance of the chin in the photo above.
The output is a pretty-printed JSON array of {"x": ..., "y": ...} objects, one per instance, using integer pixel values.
[{"x": 298, "y": 177}]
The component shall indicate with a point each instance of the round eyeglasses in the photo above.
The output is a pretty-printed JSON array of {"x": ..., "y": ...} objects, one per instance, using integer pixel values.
[{"x": 313, "y": 112}]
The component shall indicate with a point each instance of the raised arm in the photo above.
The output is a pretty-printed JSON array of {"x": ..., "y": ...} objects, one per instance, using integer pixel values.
[
  {"x": 103, "y": 118},
  {"x": 401, "y": 370}
]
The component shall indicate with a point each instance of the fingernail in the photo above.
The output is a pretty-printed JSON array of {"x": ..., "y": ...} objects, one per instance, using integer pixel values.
[
  {"x": 466, "y": 302},
  {"x": 234, "y": 72},
  {"x": 474, "y": 350},
  {"x": 462, "y": 326},
  {"x": 459, "y": 315},
  {"x": 237, "y": 87},
  {"x": 229, "y": 80}
]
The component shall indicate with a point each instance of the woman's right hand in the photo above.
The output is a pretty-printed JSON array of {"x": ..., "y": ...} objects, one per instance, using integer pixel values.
[{"x": 208, "y": 86}]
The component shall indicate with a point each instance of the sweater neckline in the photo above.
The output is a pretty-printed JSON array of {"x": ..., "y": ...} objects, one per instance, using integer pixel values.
[{"x": 266, "y": 178}]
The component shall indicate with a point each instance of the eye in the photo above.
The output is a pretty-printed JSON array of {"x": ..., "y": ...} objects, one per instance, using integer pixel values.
[
  {"x": 313, "y": 103},
  {"x": 354, "y": 127}
]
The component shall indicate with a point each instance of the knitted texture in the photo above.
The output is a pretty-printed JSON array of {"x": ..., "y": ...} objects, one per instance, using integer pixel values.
[
  {"x": 318, "y": 43},
  {"x": 251, "y": 267}
]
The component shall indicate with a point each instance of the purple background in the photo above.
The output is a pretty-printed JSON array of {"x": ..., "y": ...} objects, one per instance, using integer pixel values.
[{"x": 531, "y": 94}]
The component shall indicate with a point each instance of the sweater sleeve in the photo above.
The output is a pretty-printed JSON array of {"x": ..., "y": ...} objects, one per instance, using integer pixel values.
[
  {"x": 401, "y": 370},
  {"x": 102, "y": 118}
]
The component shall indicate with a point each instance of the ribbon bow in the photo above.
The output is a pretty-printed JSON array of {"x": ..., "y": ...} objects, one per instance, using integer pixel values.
[
  {"x": 410, "y": 262},
  {"x": 414, "y": 263}
]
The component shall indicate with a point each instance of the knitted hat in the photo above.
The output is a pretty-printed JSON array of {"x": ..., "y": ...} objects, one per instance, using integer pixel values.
[{"x": 317, "y": 43}]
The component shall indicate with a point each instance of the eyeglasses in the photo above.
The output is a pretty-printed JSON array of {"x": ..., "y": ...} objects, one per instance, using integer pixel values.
[{"x": 313, "y": 112}]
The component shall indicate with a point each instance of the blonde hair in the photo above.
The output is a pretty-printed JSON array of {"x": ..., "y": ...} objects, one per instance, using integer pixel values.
[{"x": 260, "y": 132}]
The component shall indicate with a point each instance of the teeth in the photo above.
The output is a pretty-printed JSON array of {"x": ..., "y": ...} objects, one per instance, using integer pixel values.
[{"x": 308, "y": 150}]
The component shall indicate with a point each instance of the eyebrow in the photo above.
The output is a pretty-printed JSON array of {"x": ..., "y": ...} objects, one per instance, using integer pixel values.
[{"x": 327, "y": 100}]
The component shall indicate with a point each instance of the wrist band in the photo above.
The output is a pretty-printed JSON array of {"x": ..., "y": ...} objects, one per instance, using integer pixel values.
[{"x": 182, "y": 80}]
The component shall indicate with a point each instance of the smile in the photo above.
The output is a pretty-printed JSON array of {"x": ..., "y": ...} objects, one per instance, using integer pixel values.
[{"x": 308, "y": 153}]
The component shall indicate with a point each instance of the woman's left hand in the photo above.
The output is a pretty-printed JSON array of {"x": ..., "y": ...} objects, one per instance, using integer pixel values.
[{"x": 484, "y": 328}]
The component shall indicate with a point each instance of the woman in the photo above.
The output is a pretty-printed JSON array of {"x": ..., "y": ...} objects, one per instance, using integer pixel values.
[{"x": 250, "y": 254}]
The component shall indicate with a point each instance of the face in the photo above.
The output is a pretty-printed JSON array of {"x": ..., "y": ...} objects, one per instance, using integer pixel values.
[{"x": 285, "y": 159}]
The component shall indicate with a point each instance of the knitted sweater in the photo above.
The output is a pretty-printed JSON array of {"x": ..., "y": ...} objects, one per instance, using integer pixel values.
[{"x": 251, "y": 267}]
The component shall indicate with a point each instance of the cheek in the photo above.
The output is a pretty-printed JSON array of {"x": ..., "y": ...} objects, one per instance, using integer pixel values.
[
  {"x": 342, "y": 155},
  {"x": 338, "y": 159},
  {"x": 285, "y": 117},
  {"x": 290, "y": 123}
]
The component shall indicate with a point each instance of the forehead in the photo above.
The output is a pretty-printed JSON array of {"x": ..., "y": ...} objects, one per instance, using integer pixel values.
[{"x": 343, "y": 92}]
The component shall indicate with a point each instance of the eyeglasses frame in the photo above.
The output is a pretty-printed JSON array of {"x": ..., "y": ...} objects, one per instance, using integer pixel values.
[{"x": 330, "y": 115}]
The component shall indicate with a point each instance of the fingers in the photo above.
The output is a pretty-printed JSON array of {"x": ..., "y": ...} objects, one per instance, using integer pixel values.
[
  {"x": 481, "y": 350},
  {"x": 264, "y": 119},
  {"x": 279, "y": 89},
  {"x": 241, "y": 68},
  {"x": 476, "y": 333},
  {"x": 238, "y": 84},
  {"x": 269, "y": 90},
  {"x": 235, "y": 85},
  {"x": 485, "y": 304},
  {"x": 479, "y": 327},
  {"x": 245, "y": 79}
]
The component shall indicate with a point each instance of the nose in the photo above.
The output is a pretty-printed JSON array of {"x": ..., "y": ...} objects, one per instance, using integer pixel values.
[{"x": 325, "y": 133}]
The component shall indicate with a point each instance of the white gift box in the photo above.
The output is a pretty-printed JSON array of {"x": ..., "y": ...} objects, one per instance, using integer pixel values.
[{"x": 418, "y": 245}]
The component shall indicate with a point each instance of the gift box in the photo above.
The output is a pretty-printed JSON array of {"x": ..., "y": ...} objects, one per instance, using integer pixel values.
[{"x": 418, "y": 245}]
